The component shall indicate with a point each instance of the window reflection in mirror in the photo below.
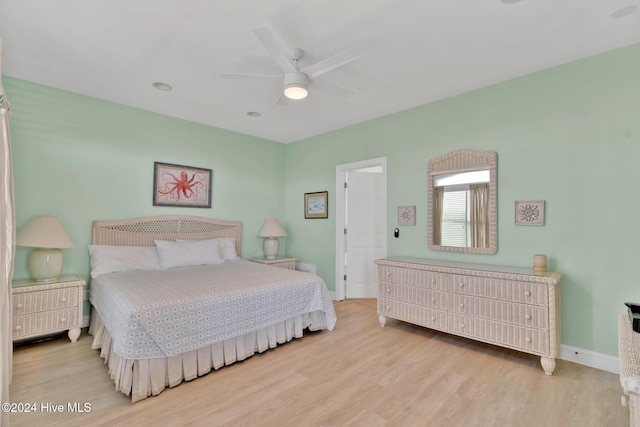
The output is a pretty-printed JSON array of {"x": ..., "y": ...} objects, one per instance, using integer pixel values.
[
  {"x": 462, "y": 193},
  {"x": 464, "y": 212}
]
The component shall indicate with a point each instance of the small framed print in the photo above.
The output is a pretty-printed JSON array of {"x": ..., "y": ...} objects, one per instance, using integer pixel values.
[
  {"x": 530, "y": 212},
  {"x": 316, "y": 205},
  {"x": 406, "y": 215}
]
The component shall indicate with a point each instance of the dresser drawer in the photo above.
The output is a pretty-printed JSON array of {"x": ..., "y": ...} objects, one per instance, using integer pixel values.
[
  {"x": 40, "y": 323},
  {"x": 411, "y": 294},
  {"x": 530, "y": 316},
  {"x": 517, "y": 337},
  {"x": 424, "y": 316},
  {"x": 36, "y": 302},
  {"x": 522, "y": 292},
  {"x": 408, "y": 276}
]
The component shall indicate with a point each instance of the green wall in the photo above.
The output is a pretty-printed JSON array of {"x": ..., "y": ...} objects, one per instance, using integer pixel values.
[
  {"x": 83, "y": 159},
  {"x": 569, "y": 136}
]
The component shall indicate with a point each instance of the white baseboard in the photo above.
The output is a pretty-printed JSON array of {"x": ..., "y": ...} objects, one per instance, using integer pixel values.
[{"x": 590, "y": 358}]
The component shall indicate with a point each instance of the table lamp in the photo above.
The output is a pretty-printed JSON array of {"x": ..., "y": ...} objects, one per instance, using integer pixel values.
[
  {"x": 271, "y": 230},
  {"x": 46, "y": 235}
]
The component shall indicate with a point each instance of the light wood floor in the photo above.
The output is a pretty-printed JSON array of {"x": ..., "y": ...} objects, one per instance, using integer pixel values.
[{"x": 357, "y": 375}]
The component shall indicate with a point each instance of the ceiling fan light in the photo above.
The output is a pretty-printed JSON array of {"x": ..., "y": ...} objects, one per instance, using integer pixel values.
[{"x": 295, "y": 91}]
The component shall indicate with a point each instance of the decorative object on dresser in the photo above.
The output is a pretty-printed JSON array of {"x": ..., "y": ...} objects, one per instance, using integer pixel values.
[
  {"x": 462, "y": 191},
  {"x": 316, "y": 205},
  {"x": 530, "y": 212},
  {"x": 46, "y": 235},
  {"x": 271, "y": 230},
  {"x": 177, "y": 185},
  {"x": 506, "y": 306},
  {"x": 406, "y": 215},
  {"x": 629, "y": 356},
  {"x": 282, "y": 262},
  {"x": 46, "y": 308}
]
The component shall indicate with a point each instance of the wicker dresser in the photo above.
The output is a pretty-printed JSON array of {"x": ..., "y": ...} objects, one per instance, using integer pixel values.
[
  {"x": 45, "y": 308},
  {"x": 505, "y": 306},
  {"x": 629, "y": 356}
]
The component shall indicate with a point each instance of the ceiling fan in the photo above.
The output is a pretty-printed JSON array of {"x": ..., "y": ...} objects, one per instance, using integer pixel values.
[{"x": 296, "y": 81}]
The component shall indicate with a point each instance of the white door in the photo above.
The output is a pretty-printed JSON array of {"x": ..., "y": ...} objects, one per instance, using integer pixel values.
[{"x": 364, "y": 231}]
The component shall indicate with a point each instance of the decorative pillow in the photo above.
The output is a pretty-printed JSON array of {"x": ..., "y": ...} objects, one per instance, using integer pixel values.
[
  {"x": 111, "y": 259},
  {"x": 227, "y": 246},
  {"x": 188, "y": 252}
]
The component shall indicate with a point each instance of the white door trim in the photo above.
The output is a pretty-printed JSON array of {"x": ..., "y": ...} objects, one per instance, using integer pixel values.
[{"x": 341, "y": 174}]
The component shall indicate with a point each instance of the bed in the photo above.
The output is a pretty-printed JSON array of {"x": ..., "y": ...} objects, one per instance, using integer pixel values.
[{"x": 158, "y": 320}]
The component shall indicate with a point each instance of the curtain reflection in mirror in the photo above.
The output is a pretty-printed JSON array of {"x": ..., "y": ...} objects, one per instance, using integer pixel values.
[{"x": 479, "y": 215}]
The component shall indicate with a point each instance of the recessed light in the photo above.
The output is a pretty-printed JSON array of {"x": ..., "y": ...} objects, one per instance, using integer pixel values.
[
  {"x": 253, "y": 114},
  {"x": 625, "y": 11},
  {"x": 162, "y": 86}
]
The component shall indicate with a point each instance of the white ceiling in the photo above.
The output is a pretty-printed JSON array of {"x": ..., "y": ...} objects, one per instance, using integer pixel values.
[{"x": 416, "y": 52}]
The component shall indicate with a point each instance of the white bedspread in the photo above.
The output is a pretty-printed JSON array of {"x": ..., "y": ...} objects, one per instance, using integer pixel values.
[{"x": 162, "y": 313}]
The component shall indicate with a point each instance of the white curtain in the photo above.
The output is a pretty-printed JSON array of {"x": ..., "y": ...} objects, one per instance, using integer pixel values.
[{"x": 7, "y": 248}]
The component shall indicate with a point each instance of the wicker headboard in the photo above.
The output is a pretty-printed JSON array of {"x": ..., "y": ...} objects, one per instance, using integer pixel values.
[{"x": 143, "y": 231}]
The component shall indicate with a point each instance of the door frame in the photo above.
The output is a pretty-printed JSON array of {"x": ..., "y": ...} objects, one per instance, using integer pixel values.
[{"x": 341, "y": 176}]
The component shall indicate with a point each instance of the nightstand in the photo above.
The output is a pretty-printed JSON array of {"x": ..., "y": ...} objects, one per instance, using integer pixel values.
[
  {"x": 44, "y": 308},
  {"x": 282, "y": 262}
]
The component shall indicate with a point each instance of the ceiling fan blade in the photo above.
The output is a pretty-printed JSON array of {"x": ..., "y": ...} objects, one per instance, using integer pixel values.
[
  {"x": 283, "y": 100},
  {"x": 240, "y": 76},
  {"x": 333, "y": 89},
  {"x": 332, "y": 62},
  {"x": 272, "y": 46}
]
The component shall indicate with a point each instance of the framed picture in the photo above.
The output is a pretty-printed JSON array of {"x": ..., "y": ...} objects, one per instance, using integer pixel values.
[
  {"x": 530, "y": 212},
  {"x": 406, "y": 215},
  {"x": 316, "y": 205},
  {"x": 177, "y": 185}
]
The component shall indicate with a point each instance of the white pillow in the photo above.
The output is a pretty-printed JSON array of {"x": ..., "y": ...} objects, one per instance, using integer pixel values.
[
  {"x": 227, "y": 246},
  {"x": 111, "y": 259},
  {"x": 188, "y": 252}
]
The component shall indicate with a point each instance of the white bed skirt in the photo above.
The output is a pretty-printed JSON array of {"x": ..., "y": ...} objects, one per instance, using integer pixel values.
[{"x": 142, "y": 378}]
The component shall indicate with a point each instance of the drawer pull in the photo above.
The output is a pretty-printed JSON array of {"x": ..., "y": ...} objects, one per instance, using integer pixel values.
[
  {"x": 528, "y": 339},
  {"x": 461, "y": 305},
  {"x": 433, "y": 300},
  {"x": 461, "y": 285},
  {"x": 433, "y": 280},
  {"x": 433, "y": 318},
  {"x": 388, "y": 308},
  {"x": 63, "y": 320},
  {"x": 63, "y": 299},
  {"x": 461, "y": 325},
  {"x": 388, "y": 290},
  {"x": 18, "y": 327},
  {"x": 527, "y": 293},
  {"x": 19, "y": 305},
  {"x": 388, "y": 274},
  {"x": 527, "y": 316}
]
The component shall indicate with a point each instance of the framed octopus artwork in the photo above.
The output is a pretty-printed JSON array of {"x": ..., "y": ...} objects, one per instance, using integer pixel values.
[{"x": 177, "y": 185}]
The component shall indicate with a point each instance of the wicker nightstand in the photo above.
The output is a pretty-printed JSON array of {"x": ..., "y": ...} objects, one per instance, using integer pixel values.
[
  {"x": 282, "y": 262},
  {"x": 45, "y": 308}
]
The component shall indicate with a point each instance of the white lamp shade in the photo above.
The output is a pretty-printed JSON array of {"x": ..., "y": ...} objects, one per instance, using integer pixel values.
[
  {"x": 272, "y": 228},
  {"x": 43, "y": 232}
]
